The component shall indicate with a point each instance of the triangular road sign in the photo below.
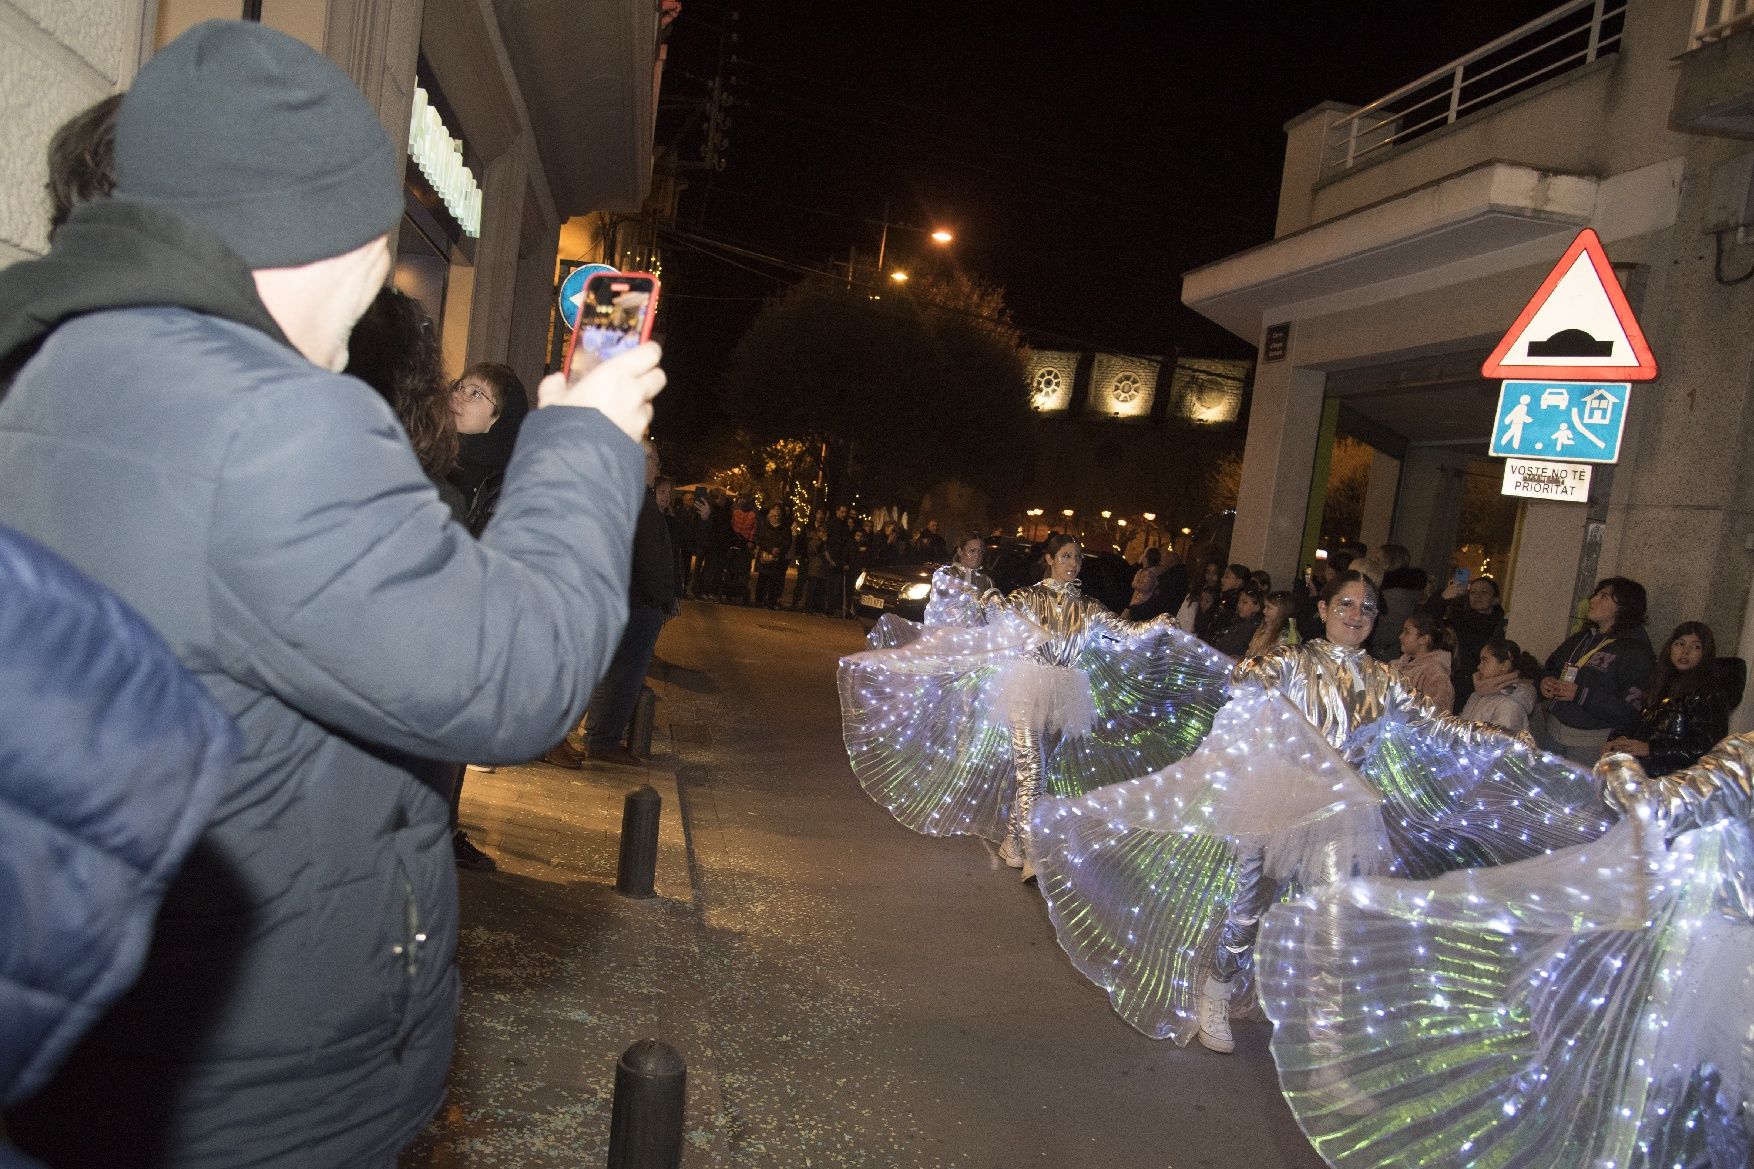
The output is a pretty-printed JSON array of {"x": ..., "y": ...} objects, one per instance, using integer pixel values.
[{"x": 1578, "y": 327}]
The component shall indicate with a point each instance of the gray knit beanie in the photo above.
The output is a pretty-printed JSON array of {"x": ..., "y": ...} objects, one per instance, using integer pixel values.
[{"x": 261, "y": 140}]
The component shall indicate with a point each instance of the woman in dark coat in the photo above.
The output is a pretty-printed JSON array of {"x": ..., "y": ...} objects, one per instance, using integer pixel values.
[
  {"x": 1594, "y": 682},
  {"x": 773, "y": 546},
  {"x": 1685, "y": 711}
]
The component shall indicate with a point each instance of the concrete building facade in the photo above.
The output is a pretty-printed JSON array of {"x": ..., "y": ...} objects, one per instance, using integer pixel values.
[
  {"x": 1406, "y": 245},
  {"x": 550, "y": 106}
]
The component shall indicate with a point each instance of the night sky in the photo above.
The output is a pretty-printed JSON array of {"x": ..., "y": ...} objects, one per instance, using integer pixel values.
[{"x": 1086, "y": 156}]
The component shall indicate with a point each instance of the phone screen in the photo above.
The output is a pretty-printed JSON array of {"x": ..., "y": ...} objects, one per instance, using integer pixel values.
[
  {"x": 615, "y": 315},
  {"x": 1461, "y": 576}
]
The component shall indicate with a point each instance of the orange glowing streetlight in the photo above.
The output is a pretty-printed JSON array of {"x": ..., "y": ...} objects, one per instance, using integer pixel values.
[{"x": 942, "y": 236}]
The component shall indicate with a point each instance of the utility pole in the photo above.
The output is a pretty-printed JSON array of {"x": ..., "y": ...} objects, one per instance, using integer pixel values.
[{"x": 883, "y": 243}]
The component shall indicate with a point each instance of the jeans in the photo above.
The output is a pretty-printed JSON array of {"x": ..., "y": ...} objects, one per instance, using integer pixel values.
[{"x": 614, "y": 699}]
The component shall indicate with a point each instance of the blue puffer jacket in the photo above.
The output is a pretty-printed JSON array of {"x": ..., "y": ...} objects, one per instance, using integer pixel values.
[
  {"x": 272, "y": 523},
  {"x": 111, "y": 759}
]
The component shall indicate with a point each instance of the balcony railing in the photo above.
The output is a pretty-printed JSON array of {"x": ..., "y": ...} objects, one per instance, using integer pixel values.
[
  {"x": 1567, "y": 38},
  {"x": 1714, "y": 20}
]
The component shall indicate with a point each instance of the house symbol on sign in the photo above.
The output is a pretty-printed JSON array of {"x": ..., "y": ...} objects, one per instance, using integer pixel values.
[{"x": 1598, "y": 408}]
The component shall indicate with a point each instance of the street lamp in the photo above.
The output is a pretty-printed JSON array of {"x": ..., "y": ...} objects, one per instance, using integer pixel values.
[
  {"x": 1150, "y": 517},
  {"x": 940, "y": 236},
  {"x": 898, "y": 276}
]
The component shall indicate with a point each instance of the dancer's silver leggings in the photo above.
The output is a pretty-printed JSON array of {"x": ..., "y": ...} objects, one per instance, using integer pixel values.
[
  {"x": 1026, "y": 748},
  {"x": 1255, "y": 894}
]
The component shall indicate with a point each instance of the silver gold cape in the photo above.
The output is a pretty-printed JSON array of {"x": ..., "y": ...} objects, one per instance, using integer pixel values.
[
  {"x": 1590, "y": 1007},
  {"x": 928, "y": 733},
  {"x": 1324, "y": 763}
]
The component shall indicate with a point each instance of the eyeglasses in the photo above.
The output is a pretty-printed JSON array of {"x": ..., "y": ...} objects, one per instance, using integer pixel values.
[
  {"x": 475, "y": 392},
  {"x": 1347, "y": 604}
]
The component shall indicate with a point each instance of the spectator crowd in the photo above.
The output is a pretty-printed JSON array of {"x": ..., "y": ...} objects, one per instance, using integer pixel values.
[{"x": 1603, "y": 689}]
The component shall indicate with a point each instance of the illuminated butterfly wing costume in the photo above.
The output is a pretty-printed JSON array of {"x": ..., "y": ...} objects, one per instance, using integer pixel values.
[
  {"x": 930, "y": 725},
  {"x": 1324, "y": 764},
  {"x": 959, "y": 596},
  {"x": 1590, "y": 1007}
]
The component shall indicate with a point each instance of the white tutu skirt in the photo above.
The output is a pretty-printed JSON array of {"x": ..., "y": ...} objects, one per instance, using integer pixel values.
[{"x": 1044, "y": 698}]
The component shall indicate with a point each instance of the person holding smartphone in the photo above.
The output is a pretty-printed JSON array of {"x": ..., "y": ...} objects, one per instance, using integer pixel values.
[
  {"x": 298, "y": 999},
  {"x": 1472, "y": 611}
]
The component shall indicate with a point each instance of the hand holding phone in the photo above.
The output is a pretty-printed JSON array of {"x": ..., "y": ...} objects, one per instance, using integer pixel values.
[
  {"x": 621, "y": 387},
  {"x": 616, "y": 311}
]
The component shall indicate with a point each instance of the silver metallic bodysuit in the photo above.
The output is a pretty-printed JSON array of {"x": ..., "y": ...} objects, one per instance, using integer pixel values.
[{"x": 1340, "y": 691}]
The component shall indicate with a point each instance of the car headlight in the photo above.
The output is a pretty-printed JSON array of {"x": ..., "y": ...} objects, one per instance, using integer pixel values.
[
  {"x": 860, "y": 583},
  {"x": 917, "y": 592}
]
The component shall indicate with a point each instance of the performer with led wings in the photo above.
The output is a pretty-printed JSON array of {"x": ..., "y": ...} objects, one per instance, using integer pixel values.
[
  {"x": 1588, "y": 1008},
  {"x": 959, "y": 729},
  {"x": 1323, "y": 764},
  {"x": 960, "y": 592}
]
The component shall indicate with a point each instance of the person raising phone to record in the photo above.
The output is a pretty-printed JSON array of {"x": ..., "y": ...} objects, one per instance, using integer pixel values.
[{"x": 299, "y": 996}]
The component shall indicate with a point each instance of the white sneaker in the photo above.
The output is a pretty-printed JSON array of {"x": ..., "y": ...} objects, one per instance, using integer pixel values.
[
  {"x": 1011, "y": 853},
  {"x": 1028, "y": 873},
  {"x": 1215, "y": 1017}
]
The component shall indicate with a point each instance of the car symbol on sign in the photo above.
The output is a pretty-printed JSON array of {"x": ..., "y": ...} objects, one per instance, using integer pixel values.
[{"x": 1555, "y": 396}]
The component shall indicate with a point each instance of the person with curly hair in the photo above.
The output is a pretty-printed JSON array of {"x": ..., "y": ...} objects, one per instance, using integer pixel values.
[{"x": 395, "y": 350}]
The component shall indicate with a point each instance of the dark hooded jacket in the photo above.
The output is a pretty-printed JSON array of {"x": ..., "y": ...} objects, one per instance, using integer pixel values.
[{"x": 270, "y": 520}]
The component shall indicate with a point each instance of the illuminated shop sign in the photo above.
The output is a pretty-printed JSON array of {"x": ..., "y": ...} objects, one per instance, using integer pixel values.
[{"x": 440, "y": 158}]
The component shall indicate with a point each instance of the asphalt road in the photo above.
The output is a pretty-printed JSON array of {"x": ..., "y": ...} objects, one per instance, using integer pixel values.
[{"x": 846, "y": 992}]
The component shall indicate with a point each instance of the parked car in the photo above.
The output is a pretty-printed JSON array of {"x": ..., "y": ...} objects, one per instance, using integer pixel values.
[{"x": 904, "y": 589}]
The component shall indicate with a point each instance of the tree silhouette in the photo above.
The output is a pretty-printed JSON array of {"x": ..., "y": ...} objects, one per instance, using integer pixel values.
[{"x": 907, "y": 388}]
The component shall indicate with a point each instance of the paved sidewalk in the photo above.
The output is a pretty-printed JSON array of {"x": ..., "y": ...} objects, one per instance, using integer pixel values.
[{"x": 561, "y": 973}]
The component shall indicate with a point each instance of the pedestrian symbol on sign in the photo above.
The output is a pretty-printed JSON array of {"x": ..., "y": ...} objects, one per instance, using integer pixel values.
[{"x": 1515, "y": 421}]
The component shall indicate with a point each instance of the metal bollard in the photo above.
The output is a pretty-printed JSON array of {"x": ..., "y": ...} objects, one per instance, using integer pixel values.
[
  {"x": 639, "y": 731},
  {"x": 645, "y": 1125},
  {"x": 639, "y": 842}
]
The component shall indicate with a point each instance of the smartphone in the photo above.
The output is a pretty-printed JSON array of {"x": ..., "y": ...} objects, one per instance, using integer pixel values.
[
  {"x": 1461, "y": 576},
  {"x": 615, "y": 314}
]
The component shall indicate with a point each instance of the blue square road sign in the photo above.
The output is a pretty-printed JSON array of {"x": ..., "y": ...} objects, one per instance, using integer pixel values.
[{"x": 1578, "y": 422}]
